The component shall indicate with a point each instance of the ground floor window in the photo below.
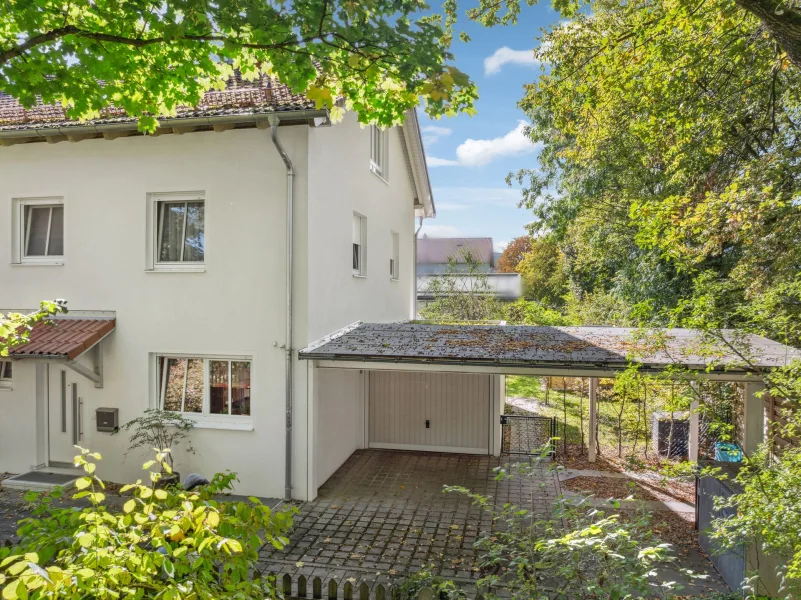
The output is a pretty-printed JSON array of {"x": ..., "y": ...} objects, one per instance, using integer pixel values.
[{"x": 204, "y": 386}]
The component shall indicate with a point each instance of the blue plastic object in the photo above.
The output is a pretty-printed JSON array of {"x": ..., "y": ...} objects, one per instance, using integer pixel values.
[{"x": 725, "y": 452}]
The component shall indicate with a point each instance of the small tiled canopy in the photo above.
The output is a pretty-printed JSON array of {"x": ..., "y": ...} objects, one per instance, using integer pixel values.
[{"x": 63, "y": 338}]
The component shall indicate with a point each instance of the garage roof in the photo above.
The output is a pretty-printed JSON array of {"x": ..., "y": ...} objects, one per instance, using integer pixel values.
[
  {"x": 599, "y": 348},
  {"x": 63, "y": 338}
]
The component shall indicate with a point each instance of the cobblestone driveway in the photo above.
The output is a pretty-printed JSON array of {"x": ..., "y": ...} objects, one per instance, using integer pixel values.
[{"x": 383, "y": 514}]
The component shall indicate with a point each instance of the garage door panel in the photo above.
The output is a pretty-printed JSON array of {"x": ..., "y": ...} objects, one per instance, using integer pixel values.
[{"x": 456, "y": 405}]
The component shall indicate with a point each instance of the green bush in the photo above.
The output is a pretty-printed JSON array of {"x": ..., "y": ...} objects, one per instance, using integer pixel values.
[
  {"x": 164, "y": 543},
  {"x": 578, "y": 552}
]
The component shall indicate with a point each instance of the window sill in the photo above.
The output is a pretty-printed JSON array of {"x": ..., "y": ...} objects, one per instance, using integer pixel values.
[
  {"x": 243, "y": 425},
  {"x": 176, "y": 269},
  {"x": 6, "y": 388},
  {"x": 395, "y": 279},
  {"x": 377, "y": 174},
  {"x": 39, "y": 263},
  {"x": 359, "y": 276}
]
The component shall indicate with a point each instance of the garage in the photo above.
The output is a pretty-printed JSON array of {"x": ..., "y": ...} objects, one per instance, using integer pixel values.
[{"x": 441, "y": 412}]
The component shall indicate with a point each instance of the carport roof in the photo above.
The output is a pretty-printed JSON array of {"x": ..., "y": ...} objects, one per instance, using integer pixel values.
[{"x": 589, "y": 348}]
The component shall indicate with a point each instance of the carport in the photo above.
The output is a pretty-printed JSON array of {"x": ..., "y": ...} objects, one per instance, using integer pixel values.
[{"x": 429, "y": 387}]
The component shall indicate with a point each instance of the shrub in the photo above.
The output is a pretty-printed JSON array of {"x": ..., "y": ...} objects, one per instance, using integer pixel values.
[
  {"x": 579, "y": 552},
  {"x": 163, "y": 543},
  {"x": 160, "y": 429}
]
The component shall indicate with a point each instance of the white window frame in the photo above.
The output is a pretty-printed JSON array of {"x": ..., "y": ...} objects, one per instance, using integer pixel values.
[
  {"x": 379, "y": 152},
  {"x": 6, "y": 381},
  {"x": 19, "y": 235},
  {"x": 362, "y": 256},
  {"x": 394, "y": 261},
  {"x": 205, "y": 419},
  {"x": 152, "y": 262}
]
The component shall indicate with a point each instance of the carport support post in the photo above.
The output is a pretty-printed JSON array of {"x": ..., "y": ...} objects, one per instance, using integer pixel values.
[
  {"x": 753, "y": 417},
  {"x": 593, "y": 416},
  {"x": 695, "y": 430}
]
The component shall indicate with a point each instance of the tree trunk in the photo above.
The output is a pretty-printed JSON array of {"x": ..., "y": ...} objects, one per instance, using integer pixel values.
[{"x": 782, "y": 21}]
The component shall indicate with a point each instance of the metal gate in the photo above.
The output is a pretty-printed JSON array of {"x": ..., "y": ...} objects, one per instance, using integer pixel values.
[{"x": 526, "y": 435}]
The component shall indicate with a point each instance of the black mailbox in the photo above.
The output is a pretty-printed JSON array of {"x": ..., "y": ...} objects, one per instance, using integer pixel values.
[{"x": 108, "y": 419}]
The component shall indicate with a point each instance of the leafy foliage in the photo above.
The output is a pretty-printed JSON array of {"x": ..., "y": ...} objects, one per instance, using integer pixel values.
[
  {"x": 513, "y": 253},
  {"x": 462, "y": 293},
  {"x": 15, "y": 328},
  {"x": 164, "y": 543},
  {"x": 160, "y": 429},
  {"x": 152, "y": 56},
  {"x": 443, "y": 589},
  {"x": 578, "y": 552}
]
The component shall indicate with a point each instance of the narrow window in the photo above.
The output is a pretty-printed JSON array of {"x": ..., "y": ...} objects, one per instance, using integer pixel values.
[
  {"x": 359, "y": 244},
  {"x": 208, "y": 387},
  {"x": 394, "y": 265},
  {"x": 63, "y": 402},
  {"x": 5, "y": 374},
  {"x": 180, "y": 236},
  {"x": 379, "y": 150}
]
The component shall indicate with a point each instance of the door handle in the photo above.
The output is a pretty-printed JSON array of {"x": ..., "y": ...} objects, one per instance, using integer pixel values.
[{"x": 80, "y": 419}]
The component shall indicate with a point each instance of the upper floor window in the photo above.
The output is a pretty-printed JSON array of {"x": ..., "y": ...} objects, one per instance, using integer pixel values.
[
  {"x": 177, "y": 231},
  {"x": 379, "y": 152},
  {"x": 394, "y": 261},
  {"x": 39, "y": 230},
  {"x": 212, "y": 387},
  {"x": 359, "y": 230},
  {"x": 5, "y": 374}
]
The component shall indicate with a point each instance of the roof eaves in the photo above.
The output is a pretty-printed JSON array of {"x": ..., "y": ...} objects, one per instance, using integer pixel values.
[{"x": 413, "y": 141}]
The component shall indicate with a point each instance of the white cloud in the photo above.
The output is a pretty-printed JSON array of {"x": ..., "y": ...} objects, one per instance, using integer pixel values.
[
  {"x": 440, "y": 231},
  {"x": 447, "y": 206},
  {"x": 505, "y": 55},
  {"x": 500, "y": 246},
  {"x": 476, "y": 153},
  {"x": 433, "y": 133},
  {"x": 467, "y": 196},
  {"x": 434, "y": 161}
]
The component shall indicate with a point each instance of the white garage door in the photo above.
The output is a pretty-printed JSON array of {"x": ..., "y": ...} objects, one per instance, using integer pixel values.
[{"x": 446, "y": 412}]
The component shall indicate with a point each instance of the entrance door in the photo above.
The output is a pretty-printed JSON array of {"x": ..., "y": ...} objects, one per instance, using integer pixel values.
[
  {"x": 446, "y": 412},
  {"x": 64, "y": 415}
]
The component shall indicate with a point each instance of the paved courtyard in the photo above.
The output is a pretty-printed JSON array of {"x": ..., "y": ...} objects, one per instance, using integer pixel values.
[{"x": 383, "y": 514}]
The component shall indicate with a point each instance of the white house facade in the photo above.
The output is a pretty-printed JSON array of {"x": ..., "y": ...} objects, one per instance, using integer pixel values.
[{"x": 173, "y": 252}]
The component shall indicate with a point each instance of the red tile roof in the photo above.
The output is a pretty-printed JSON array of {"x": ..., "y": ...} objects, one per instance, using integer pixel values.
[
  {"x": 64, "y": 338},
  {"x": 240, "y": 97}
]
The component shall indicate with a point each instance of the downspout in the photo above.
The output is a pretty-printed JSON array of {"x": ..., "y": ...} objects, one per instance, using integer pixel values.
[
  {"x": 290, "y": 205},
  {"x": 414, "y": 301}
]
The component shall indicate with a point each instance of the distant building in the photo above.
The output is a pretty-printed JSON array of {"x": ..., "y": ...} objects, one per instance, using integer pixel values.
[{"x": 434, "y": 257}]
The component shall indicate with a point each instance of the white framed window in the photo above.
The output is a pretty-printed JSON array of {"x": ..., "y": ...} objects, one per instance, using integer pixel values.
[
  {"x": 205, "y": 389},
  {"x": 177, "y": 231},
  {"x": 359, "y": 246},
  {"x": 379, "y": 152},
  {"x": 394, "y": 261},
  {"x": 38, "y": 233},
  {"x": 6, "y": 369}
]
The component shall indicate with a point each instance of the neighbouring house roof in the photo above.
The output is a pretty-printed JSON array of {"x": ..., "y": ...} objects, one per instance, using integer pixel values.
[
  {"x": 432, "y": 250},
  {"x": 589, "y": 348},
  {"x": 63, "y": 338},
  {"x": 265, "y": 95}
]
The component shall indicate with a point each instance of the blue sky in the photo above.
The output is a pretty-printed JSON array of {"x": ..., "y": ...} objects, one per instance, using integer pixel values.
[{"x": 469, "y": 157}]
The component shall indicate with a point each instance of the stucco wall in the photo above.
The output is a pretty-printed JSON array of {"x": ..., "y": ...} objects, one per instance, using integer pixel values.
[
  {"x": 340, "y": 419},
  {"x": 18, "y": 410},
  {"x": 340, "y": 184},
  {"x": 235, "y": 307}
]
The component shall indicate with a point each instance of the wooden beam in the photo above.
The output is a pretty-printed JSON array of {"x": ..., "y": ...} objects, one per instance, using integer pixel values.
[
  {"x": 593, "y": 417},
  {"x": 753, "y": 417},
  {"x": 183, "y": 129},
  {"x": 113, "y": 135},
  {"x": 55, "y": 139},
  {"x": 79, "y": 137},
  {"x": 220, "y": 127},
  {"x": 695, "y": 430},
  {"x": 19, "y": 140}
]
